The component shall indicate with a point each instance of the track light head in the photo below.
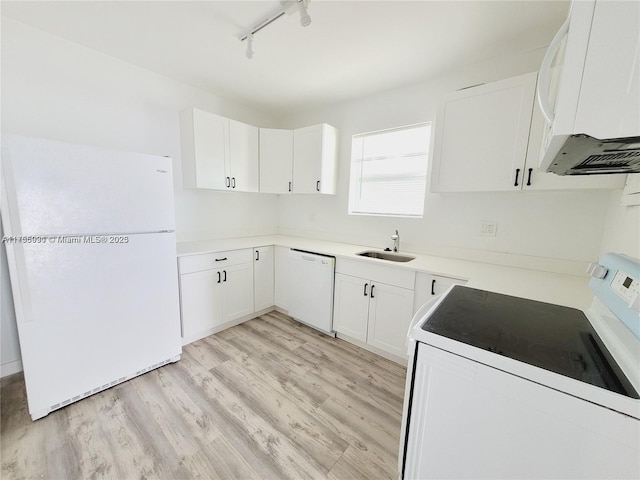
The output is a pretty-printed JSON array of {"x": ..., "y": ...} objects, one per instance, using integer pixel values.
[
  {"x": 305, "y": 19},
  {"x": 250, "y": 45}
]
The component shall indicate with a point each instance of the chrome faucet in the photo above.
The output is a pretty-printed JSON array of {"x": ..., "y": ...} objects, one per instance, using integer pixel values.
[{"x": 396, "y": 241}]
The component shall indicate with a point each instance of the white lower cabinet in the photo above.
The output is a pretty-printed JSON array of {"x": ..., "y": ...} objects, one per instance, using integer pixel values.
[
  {"x": 429, "y": 286},
  {"x": 200, "y": 302},
  {"x": 281, "y": 277},
  {"x": 373, "y": 312},
  {"x": 351, "y": 306},
  {"x": 263, "y": 277},
  {"x": 215, "y": 289},
  {"x": 237, "y": 291},
  {"x": 390, "y": 312}
]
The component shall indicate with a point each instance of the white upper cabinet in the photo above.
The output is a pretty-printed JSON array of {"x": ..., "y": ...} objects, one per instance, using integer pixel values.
[
  {"x": 276, "y": 160},
  {"x": 488, "y": 139},
  {"x": 243, "y": 164},
  {"x": 204, "y": 148},
  {"x": 314, "y": 159},
  {"x": 482, "y": 135},
  {"x": 218, "y": 153}
]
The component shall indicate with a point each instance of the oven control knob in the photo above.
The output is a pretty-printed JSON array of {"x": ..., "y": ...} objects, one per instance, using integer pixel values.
[{"x": 596, "y": 270}]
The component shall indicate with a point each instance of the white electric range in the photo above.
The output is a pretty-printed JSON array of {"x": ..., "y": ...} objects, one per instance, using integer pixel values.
[{"x": 506, "y": 387}]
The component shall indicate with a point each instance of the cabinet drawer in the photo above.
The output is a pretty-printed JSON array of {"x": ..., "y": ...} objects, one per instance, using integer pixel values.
[
  {"x": 206, "y": 261},
  {"x": 378, "y": 273}
]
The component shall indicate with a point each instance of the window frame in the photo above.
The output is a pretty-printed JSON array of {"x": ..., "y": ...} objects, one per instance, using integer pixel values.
[{"x": 356, "y": 179}]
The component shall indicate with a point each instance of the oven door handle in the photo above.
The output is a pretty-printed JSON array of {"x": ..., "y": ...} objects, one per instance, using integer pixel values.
[{"x": 421, "y": 314}]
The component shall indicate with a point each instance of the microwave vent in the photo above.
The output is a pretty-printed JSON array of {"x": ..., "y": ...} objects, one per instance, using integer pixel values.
[
  {"x": 610, "y": 160},
  {"x": 585, "y": 155}
]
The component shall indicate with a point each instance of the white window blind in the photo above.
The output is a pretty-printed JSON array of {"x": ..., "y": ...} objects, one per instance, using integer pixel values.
[{"x": 389, "y": 171}]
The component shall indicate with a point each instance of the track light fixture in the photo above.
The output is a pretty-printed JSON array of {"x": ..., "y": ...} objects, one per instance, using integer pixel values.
[{"x": 287, "y": 6}]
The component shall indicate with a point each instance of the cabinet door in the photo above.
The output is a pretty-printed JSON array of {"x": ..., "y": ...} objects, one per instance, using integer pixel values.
[
  {"x": 243, "y": 156},
  {"x": 314, "y": 159},
  {"x": 390, "y": 311},
  {"x": 237, "y": 291},
  {"x": 281, "y": 274},
  {"x": 200, "y": 302},
  {"x": 481, "y": 136},
  {"x": 204, "y": 149},
  {"x": 276, "y": 160},
  {"x": 263, "y": 277},
  {"x": 351, "y": 306},
  {"x": 429, "y": 286}
]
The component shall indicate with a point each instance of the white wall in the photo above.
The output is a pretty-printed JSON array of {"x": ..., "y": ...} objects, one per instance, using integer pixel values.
[
  {"x": 559, "y": 225},
  {"x": 9, "y": 346},
  {"x": 622, "y": 228},
  {"x": 53, "y": 88}
]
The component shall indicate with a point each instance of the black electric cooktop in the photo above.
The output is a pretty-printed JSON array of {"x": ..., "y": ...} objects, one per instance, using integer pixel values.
[{"x": 556, "y": 338}]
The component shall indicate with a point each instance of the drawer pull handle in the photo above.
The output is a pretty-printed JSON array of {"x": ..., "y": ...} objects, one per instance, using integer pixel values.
[
  {"x": 515, "y": 184},
  {"x": 372, "y": 287},
  {"x": 365, "y": 289},
  {"x": 289, "y": 186},
  {"x": 529, "y": 177},
  {"x": 318, "y": 185},
  {"x": 433, "y": 286},
  {"x": 225, "y": 275},
  {"x": 221, "y": 259},
  {"x": 257, "y": 255},
  {"x": 218, "y": 276},
  {"x": 228, "y": 182}
]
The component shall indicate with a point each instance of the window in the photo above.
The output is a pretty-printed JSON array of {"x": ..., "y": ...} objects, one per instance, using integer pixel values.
[{"x": 389, "y": 172}]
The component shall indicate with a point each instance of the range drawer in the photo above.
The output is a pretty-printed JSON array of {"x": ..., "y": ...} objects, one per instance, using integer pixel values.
[{"x": 208, "y": 261}]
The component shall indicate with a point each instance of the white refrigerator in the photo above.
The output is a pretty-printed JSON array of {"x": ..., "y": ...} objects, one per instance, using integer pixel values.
[{"x": 91, "y": 249}]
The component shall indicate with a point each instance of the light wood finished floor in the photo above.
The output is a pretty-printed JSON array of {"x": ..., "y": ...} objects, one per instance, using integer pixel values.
[{"x": 270, "y": 398}]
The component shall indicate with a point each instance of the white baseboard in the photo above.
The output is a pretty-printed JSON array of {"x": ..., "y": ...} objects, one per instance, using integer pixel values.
[
  {"x": 10, "y": 368},
  {"x": 377, "y": 351}
]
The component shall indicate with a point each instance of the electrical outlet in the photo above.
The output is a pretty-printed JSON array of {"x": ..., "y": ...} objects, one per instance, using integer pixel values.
[{"x": 488, "y": 229}]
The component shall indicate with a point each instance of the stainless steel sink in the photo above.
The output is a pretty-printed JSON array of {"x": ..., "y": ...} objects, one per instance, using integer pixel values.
[{"x": 393, "y": 257}]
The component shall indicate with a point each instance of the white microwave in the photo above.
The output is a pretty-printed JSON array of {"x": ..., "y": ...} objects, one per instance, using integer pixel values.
[{"x": 589, "y": 91}]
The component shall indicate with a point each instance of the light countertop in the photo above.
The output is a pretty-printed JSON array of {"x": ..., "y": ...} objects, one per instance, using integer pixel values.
[{"x": 547, "y": 286}]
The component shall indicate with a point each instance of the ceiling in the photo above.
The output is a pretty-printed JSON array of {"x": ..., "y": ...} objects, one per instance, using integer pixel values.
[{"x": 351, "y": 49}]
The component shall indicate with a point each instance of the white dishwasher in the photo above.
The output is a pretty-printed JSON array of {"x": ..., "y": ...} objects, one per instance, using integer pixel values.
[{"x": 311, "y": 278}]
